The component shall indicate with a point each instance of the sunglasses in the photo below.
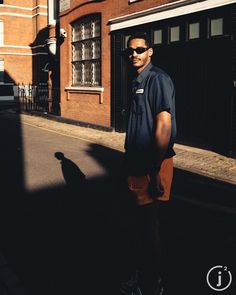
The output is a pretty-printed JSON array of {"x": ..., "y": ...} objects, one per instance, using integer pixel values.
[{"x": 138, "y": 50}]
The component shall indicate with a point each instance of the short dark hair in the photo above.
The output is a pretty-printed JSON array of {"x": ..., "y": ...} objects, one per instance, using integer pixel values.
[{"x": 140, "y": 35}]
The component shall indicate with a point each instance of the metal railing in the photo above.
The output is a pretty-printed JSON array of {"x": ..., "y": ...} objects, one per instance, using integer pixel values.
[{"x": 36, "y": 97}]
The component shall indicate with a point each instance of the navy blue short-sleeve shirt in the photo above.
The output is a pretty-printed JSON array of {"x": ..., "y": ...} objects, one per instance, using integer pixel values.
[{"x": 152, "y": 92}]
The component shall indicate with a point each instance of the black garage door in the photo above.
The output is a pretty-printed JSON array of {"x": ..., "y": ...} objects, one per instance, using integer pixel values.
[{"x": 202, "y": 76}]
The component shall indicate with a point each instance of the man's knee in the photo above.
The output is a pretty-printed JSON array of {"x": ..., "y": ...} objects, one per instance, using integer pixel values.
[{"x": 138, "y": 186}]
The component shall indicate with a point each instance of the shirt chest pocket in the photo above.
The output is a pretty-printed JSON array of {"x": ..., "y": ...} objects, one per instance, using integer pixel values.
[{"x": 138, "y": 105}]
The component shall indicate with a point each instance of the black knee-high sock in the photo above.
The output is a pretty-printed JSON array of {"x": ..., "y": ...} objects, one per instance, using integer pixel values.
[{"x": 148, "y": 246}]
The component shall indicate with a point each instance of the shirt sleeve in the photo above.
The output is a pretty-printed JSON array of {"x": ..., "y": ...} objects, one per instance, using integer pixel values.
[{"x": 162, "y": 94}]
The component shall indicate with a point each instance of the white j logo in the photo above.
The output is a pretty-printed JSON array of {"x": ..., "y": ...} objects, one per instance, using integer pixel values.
[{"x": 219, "y": 278}]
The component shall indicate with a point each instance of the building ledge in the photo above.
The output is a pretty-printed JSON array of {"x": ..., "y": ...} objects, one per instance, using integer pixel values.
[
  {"x": 85, "y": 89},
  {"x": 89, "y": 90}
]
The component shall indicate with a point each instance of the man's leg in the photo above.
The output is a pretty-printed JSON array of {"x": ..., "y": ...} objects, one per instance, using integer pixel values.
[
  {"x": 149, "y": 248},
  {"x": 148, "y": 245}
]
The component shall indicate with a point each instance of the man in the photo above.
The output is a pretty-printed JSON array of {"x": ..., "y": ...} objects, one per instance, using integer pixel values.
[{"x": 149, "y": 141}]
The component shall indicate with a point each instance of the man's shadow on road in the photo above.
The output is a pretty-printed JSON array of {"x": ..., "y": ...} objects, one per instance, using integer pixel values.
[{"x": 72, "y": 174}]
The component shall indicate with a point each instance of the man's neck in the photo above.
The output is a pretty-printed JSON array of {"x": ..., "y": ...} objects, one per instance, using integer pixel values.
[{"x": 139, "y": 71}]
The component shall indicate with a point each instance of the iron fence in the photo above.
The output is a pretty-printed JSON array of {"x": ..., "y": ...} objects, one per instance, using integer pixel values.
[{"x": 41, "y": 97}]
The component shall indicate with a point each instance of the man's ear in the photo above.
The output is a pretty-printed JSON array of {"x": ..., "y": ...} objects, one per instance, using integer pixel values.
[{"x": 150, "y": 52}]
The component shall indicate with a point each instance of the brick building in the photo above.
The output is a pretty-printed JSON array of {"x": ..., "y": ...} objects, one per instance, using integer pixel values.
[
  {"x": 194, "y": 41},
  {"x": 23, "y": 51}
]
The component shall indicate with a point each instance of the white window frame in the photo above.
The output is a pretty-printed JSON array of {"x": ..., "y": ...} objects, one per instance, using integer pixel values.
[{"x": 86, "y": 51}]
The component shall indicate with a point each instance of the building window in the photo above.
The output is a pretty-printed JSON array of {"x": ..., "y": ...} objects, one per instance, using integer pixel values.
[
  {"x": 1, "y": 33},
  {"x": 216, "y": 27},
  {"x": 1, "y": 1},
  {"x": 194, "y": 30},
  {"x": 1, "y": 71},
  {"x": 86, "y": 52},
  {"x": 174, "y": 34},
  {"x": 157, "y": 37}
]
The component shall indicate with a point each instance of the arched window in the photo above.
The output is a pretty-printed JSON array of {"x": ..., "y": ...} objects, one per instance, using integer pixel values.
[{"x": 86, "y": 51}]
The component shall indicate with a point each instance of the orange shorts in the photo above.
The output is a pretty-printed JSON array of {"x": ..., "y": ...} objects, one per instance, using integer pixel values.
[{"x": 138, "y": 185}]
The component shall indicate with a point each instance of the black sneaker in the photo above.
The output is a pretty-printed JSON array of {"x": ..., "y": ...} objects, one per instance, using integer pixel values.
[
  {"x": 131, "y": 287},
  {"x": 161, "y": 292}
]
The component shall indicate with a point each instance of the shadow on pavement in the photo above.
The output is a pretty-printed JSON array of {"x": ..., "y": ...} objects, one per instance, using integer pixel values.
[
  {"x": 72, "y": 174},
  {"x": 79, "y": 239}
]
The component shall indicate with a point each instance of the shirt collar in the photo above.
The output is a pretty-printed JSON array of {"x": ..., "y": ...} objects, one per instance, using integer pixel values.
[{"x": 144, "y": 73}]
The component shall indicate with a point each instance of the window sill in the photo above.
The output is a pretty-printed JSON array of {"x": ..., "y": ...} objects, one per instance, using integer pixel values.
[
  {"x": 92, "y": 90},
  {"x": 85, "y": 89},
  {"x": 133, "y": 1}
]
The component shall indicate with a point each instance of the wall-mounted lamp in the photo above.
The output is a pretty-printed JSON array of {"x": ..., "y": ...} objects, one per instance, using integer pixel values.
[{"x": 52, "y": 45}]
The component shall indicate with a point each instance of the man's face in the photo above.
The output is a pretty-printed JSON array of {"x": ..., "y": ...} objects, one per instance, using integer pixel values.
[{"x": 140, "y": 60}]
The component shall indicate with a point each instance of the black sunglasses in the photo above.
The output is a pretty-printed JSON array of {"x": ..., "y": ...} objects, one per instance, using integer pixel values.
[{"x": 138, "y": 50}]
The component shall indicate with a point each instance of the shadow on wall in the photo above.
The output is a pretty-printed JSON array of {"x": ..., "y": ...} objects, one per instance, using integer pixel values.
[
  {"x": 46, "y": 67},
  {"x": 40, "y": 57}
]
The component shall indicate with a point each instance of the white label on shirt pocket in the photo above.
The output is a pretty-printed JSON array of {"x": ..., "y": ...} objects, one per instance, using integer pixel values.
[{"x": 140, "y": 91}]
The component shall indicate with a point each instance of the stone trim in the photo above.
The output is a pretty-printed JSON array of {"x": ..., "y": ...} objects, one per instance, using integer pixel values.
[{"x": 87, "y": 90}]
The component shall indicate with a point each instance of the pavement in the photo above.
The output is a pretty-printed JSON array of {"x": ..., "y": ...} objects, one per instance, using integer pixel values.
[{"x": 191, "y": 159}]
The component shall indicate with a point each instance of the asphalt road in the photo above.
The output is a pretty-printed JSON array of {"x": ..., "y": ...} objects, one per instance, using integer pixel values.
[
  {"x": 43, "y": 169},
  {"x": 67, "y": 222}
]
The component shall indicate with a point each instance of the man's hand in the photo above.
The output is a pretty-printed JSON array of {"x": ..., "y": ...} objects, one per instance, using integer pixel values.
[{"x": 155, "y": 187}]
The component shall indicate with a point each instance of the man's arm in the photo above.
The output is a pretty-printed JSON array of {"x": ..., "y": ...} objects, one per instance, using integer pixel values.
[
  {"x": 162, "y": 135},
  {"x": 162, "y": 138}
]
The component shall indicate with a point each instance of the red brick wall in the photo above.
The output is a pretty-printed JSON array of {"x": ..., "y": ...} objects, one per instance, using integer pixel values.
[
  {"x": 86, "y": 107},
  {"x": 20, "y": 32}
]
